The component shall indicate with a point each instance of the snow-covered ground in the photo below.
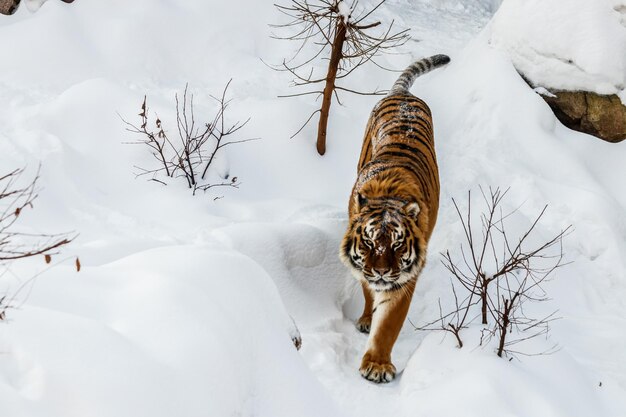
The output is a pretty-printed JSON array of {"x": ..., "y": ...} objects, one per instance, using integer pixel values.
[{"x": 184, "y": 305}]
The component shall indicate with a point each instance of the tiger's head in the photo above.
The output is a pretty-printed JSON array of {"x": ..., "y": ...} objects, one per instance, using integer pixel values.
[{"x": 384, "y": 244}]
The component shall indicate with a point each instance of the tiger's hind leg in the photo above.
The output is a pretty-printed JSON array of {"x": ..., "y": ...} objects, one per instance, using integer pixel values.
[{"x": 364, "y": 323}]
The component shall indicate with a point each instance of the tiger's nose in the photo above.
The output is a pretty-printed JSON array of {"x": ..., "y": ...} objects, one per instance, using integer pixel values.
[{"x": 380, "y": 271}]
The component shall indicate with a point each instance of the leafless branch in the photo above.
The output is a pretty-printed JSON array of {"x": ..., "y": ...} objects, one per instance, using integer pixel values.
[
  {"x": 14, "y": 199},
  {"x": 197, "y": 145},
  {"x": 17, "y": 196}
]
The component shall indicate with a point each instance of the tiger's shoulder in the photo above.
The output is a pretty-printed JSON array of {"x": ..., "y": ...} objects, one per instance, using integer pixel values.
[{"x": 398, "y": 154}]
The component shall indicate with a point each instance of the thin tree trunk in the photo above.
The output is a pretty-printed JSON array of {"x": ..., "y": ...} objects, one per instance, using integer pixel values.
[
  {"x": 335, "y": 57},
  {"x": 504, "y": 325},
  {"x": 483, "y": 297}
]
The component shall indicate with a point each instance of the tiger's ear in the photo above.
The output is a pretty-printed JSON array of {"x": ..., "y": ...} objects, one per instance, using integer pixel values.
[
  {"x": 412, "y": 209},
  {"x": 361, "y": 201}
]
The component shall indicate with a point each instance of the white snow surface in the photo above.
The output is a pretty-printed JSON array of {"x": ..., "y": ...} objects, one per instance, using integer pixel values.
[
  {"x": 184, "y": 305},
  {"x": 565, "y": 44}
]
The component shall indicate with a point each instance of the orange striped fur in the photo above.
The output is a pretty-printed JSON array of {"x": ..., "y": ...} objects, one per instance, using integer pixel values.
[{"x": 392, "y": 213}]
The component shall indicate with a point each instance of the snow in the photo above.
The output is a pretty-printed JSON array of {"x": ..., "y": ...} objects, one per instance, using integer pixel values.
[
  {"x": 126, "y": 337},
  {"x": 186, "y": 305},
  {"x": 565, "y": 44},
  {"x": 543, "y": 91},
  {"x": 34, "y": 5},
  {"x": 344, "y": 10}
]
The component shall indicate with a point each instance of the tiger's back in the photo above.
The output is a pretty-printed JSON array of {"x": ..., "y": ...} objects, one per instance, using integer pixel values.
[{"x": 399, "y": 137}]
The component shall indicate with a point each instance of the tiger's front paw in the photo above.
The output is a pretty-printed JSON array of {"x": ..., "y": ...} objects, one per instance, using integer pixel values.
[
  {"x": 378, "y": 372},
  {"x": 364, "y": 324}
]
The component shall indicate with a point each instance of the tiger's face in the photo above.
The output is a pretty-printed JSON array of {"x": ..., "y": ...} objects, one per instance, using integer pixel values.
[{"x": 383, "y": 245}]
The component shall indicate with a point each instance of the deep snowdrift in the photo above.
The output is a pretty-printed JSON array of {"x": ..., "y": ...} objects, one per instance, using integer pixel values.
[
  {"x": 566, "y": 44},
  {"x": 183, "y": 305}
]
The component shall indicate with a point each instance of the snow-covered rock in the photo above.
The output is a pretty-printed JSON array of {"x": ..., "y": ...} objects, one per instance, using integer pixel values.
[
  {"x": 576, "y": 46},
  {"x": 565, "y": 44}
]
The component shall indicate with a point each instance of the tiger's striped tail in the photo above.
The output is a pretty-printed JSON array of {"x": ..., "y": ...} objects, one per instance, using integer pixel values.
[{"x": 424, "y": 65}]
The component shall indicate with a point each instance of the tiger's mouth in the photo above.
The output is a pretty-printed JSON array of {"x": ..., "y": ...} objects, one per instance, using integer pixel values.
[
  {"x": 382, "y": 285},
  {"x": 378, "y": 283}
]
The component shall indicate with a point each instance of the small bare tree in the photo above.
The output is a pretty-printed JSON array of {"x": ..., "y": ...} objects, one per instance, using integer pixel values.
[
  {"x": 518, "y": 269},
  {"x": 339, "y": 35},
  {"x": 191, "y": 155},
  {"x": 15, "y": 198}
]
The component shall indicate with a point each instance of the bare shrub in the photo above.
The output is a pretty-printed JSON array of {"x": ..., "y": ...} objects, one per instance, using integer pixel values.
[
  {"x": 340, "y": 34},
  {"x": 498, "y": 274},
  {"x": 191, "y": 154},
  {"x": 15, "y": 199}
]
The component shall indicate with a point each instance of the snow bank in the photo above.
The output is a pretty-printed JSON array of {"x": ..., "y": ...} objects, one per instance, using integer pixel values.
[
  {"x": 302, "y": 259},
  {"x": 163, "y": 332},
  {"x": 565, "y": 44},
  {"x": 439, "y": 373}
]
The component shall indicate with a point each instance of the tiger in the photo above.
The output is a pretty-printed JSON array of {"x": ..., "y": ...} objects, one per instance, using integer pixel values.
[{"x": 392, "y": 212}]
